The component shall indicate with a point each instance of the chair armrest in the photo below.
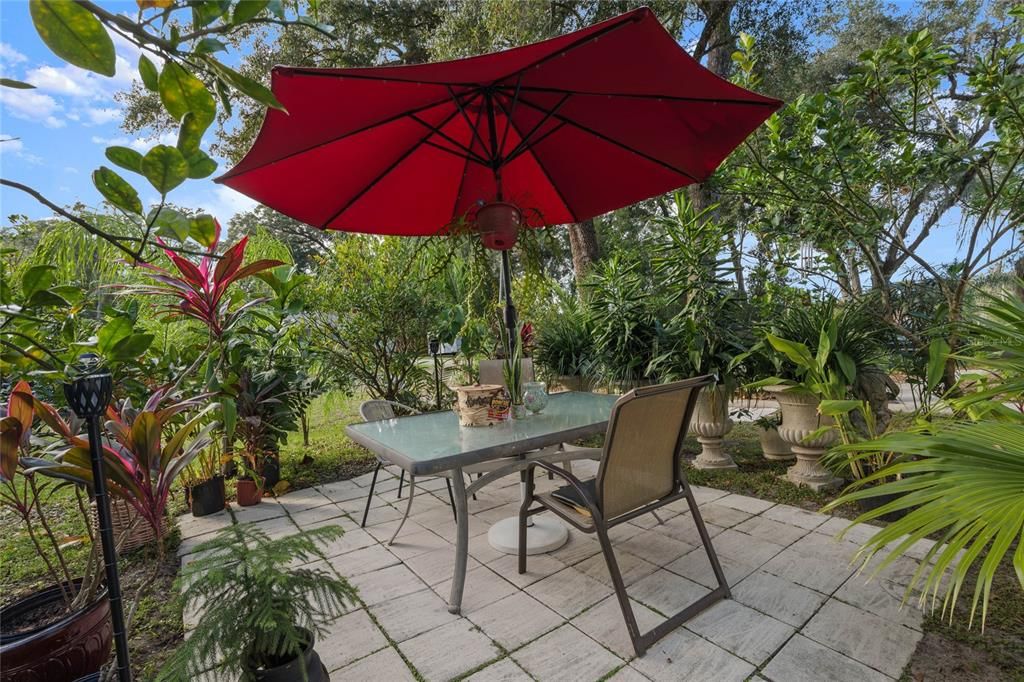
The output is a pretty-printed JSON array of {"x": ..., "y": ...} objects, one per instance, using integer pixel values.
[{"x": 565, "y": 475}]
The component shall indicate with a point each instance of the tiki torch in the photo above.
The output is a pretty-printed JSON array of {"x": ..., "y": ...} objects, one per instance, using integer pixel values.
[{"x": 88, "y": 395}]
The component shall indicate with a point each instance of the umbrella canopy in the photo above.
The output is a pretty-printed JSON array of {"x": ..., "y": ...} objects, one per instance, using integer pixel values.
[{"x": 566, "y": 129}]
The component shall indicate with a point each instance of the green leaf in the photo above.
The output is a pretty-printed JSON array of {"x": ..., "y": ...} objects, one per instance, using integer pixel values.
[
  {"x": 834, "y": 408},
  {"x": 207, "y": 11},
  {"x": 169, "y": 223},
  {"x": 797, "y": 352},
  {"x": 149, "y": 74},
  {"x": 181, "y": 92},
  {"x": 19, "y": 85},
  {"x": 74, "y": 34},
  {"x": 229, "y": 416},
  {"x": 132, "y": 346},
  {"x": 125, "y": 157},
  {"x": 46, "y": 298},
  {"x": 200, "y": 165},
  {"x": 165, "y": 168},
  {"x": 246, "y": 85},
  {"x": 116, "y": 190},
  {"x": 203, "y": 229},
  {"x": 37, "y": 278},
  {"x": 847, "y": 365},
  {"x": 110, "y": 334},
  {"x": 244, "y": 11},
  {"x": 209, "y": 46},
  {"x": 938, "y": 352},
  {"x": 190, "y": 134}
]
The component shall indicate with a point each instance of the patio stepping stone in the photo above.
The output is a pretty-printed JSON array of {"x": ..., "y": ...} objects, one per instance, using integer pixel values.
[
  {"x": 435, "y": 566},
  {"x": 795, "y": 516},
  {"x": 882, "y": 595},
  {"x": 386, "y": 664},
  {"x": 631, "y": 567},
  {"x": 569, "y": 591},
  {"x": 648, "y": 521},
  {"x": 567, "y": 655},
  {"x": 351, "y": 540},
  {"x": 363, "y": 561},
  {"x": 310, "y": 517},
  {"x": 301, "y": 500},
  {"x": 340, "y": 491},
  {"x": 697, "y": 567},
  {"x": 681, "y": 656},
  {"x": 538, "y": 567},
  {"x": 745, "y": 548},
  {"x": 408, "y": 546},
  {"x": 772, "y": 531},
  {"x": 604, "y": 622},
  {"x": 721, "y": 515},
  {"x": 515, "y": 620},
  {"x": 684, "y": 529},
  {"x": 803, "y": 660},
  {"x": 386, "y": 583},
  {"x": 652, "y": 546},
  {"x": 448, "y": 651},
  {"x": 666, "y": 592},
  {"x": 741, "y": 630},
  {"x": 349, "y": 638},
  {"x": 779, "y": 598},
  {"x": 412, "y": 614},
  {"x": 627, "y": 674},
  {"x": 483, "y": 586},
  {"x": 579, "y": 547},
  {"x": 266, "y": 509},
  {"x": 191, "y": 526},
  {"x": 504, "y": 670},
  {"x": 863, "y": 636},
  {"x": 751, "y": 505}
]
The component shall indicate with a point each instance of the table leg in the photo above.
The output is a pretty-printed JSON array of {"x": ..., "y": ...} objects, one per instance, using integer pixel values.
[{"x": 461, "y": 541}]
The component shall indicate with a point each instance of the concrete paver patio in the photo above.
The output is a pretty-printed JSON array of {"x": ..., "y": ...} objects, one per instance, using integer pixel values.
[{"x": 799, "y": 611}]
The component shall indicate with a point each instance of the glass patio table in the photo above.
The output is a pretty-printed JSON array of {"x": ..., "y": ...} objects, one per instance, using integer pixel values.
[{"x": 434, "y": 443}]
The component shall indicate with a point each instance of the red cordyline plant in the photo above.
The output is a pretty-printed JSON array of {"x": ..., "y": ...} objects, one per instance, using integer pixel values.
[
  {"x": 139, "y": 462},
  {"x": 201, "y": 288}
]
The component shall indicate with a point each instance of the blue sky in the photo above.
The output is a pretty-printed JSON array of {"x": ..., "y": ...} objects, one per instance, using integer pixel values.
[{"x": 63, "y": 126}]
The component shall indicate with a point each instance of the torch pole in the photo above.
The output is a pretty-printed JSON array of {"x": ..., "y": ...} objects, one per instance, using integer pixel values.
[{"x": 89, "y": 395}]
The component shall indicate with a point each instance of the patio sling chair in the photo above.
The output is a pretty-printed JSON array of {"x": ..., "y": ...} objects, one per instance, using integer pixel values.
[
  {"x": 377, "y": 410},
  {"x": 641, "y": 470}
]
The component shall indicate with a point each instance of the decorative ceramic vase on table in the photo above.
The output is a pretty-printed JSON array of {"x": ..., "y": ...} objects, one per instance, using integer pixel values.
[{"x": 535, "y": 396}]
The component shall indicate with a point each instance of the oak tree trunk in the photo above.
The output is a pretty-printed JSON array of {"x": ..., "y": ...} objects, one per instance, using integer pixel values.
[{"x": 583, "y": 244}]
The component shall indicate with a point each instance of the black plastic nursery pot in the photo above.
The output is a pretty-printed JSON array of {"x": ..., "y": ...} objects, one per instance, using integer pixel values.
[
  {"x": 292, "y": 670},
  {"x": 64, "y": 651},
  {"x": 207, "y": 497},
  {"x": 872, "y": 503},
  {"x": 271, "y": 471}
]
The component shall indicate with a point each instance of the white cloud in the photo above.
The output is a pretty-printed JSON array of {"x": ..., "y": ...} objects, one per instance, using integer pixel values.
[
  {"x": 70, "y": 169},
  {"x": 16, "y": 148},
  {"x": 139, "y": 144},
  {"x": 30, "y": 105},
  {"x": 67, "y": 80},
  {"x": 10, "y": 55},
  {"x": 101, "y": 116}
]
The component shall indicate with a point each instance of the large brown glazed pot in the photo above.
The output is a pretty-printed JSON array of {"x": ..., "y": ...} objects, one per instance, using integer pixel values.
[
  {"x": 710, "y": 423},
  {"x": 800, "y": 418},
  {"x": 72, "y": 647}
]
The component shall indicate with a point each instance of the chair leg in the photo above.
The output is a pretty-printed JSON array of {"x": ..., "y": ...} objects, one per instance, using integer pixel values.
[
  {"x": 401, "y": 480},
  {"x": 706, "y": 540},
  {"x": 657, "y": 518},
  {"x": 369, "y": 496},
  {"x": 408, "y": 508},
  {"x": 620, "y": 590}
]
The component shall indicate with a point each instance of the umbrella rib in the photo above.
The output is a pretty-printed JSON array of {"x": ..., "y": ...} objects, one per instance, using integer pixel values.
[
  {"x": 469, "y": 152},
  {"x": 465, "y": 170},
  {"x": 394, "y": 164},
  {"x": 524, "y": 142},
  {"x": 610, "y": 140},
  {"x": 455, "y": 153},
  {"x": 671, "y": 98},
  {"x": 543, "y": 169},
  {"x": 321, "y": 73},
  {"x": 554, "y": 129},
  {"x": 390, "y": 119},
  {"x": 462, "y": 111}
]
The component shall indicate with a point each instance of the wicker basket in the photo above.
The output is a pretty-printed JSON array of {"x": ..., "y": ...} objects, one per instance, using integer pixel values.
[{"x": 122, "y": 515}]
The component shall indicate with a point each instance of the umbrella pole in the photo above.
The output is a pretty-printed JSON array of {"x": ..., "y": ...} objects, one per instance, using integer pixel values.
[{"x": 510, "y": 309}]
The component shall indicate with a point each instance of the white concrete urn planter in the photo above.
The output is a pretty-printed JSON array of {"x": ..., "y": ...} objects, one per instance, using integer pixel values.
[
  {"x": 800, "y": 419},
  {"x": 710, "y": 423},
  {"x": 773, "y": 447}
]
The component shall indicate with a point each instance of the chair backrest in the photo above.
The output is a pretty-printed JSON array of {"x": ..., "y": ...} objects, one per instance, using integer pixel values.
[
  {"x": 641, "y": 461},
  {"x": 377, "y": 410},
  {"x": 493, "y": 371}
]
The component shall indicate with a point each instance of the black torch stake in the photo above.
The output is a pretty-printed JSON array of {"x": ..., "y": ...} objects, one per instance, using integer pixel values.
[
  {"x": 434, "y": 347},
  {"x": 88, "y": 394}
]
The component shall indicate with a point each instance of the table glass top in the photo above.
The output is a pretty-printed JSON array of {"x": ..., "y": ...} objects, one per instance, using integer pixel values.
[{"x": 437, "y": 435}]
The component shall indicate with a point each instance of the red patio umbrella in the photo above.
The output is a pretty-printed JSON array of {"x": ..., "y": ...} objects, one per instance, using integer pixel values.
[{"x": 565, "y": 129}]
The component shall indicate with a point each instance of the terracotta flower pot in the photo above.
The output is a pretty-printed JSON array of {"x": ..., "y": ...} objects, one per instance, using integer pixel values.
[
  {"x": 710, "y": 423},
  {"x": 248, "y": 493},
  {"x": 800, "y": 419},
  {"x": 72, "y": 647}
]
